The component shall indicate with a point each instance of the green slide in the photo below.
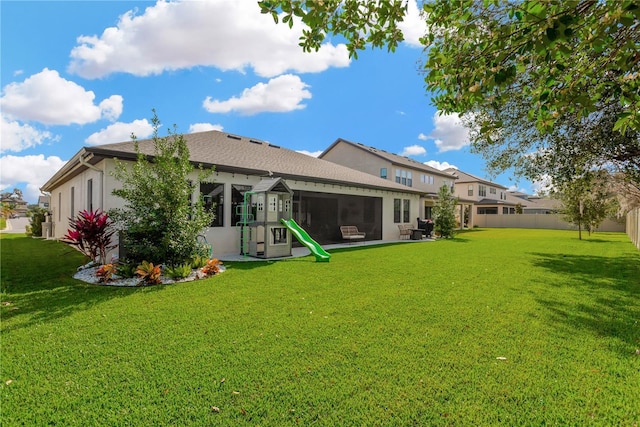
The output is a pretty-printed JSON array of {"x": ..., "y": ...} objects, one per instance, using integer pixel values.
[{"x": 304, "y": 238}]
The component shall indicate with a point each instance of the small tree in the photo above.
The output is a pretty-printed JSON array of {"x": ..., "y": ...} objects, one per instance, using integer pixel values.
[
  {"x": 444, "y": 212},
  {"x": 587, "y": 201},
  {"x": 159, "y": 223}
]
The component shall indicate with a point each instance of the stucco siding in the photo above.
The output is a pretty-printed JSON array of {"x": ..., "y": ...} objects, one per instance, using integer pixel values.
[{"x": 356, "y": 158}]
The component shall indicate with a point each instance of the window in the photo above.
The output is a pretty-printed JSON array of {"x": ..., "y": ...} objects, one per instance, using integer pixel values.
[
  {"x": 482, "y": 190},
  {"x": 487, "y": 211},
  {"x": 405, "y": 210},
  {"x": 398, "y": 179},
  {"x": 260, "y": 205},
  {"x": 213, "y": 197},
  {"x": 397, "y": 207},
  {"x": 237, "y": 203},
  {"x": 73, "y": 207},
  {"x": 426, "y": 179},
  {"x": 90, "y": 195},
  {"x": 401, "y": 210},
  {"x": 383, "y": 173},
  {"x": 428, "y": 214},
  {"x": 404, "y": 177},
  {"x": 470, "y": 190},
  {"x": 279, "y": 236},
  {"x": 409, "y": 179},
  {"x": 493, "y": 191}
]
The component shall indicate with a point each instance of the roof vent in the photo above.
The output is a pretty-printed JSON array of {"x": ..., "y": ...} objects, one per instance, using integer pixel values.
[
  {"x": 255, "y": 142},
  {"x": 274, "y": 146},
  {"x": 234, "y": 137}
]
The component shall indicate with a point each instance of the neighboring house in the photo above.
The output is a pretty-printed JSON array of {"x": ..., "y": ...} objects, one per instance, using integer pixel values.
[
  {"x": 20, "y": 206},
  {"x": 325, "y": 195},
  {"x": 43, "y": 202},
  {"x": 481, "y": 197},
  {"x": 394, "y": 168},
  {"x": 535, "y": 204}
]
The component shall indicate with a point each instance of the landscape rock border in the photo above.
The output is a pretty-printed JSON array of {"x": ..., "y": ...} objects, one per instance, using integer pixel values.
[{"x": 87, "y": 274}]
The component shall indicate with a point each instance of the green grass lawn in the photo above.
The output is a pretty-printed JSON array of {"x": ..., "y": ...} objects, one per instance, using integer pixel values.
[{"x": 394, "y": 335}]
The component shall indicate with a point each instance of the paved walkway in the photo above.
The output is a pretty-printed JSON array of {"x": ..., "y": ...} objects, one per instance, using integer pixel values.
[
  {"x": 303, "y": 251},
  {"x": 16, "y": 225}
]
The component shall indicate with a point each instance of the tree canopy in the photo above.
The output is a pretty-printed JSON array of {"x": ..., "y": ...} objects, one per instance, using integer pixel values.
[{"x": 524, "y": 74}]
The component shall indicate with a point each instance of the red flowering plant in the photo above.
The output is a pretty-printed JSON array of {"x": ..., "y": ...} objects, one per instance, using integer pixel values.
[{"x": 91, "y": 232}]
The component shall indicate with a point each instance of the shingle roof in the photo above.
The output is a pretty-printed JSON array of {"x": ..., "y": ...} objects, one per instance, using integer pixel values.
[
  {"x": 393, "y": 158},
  {"x": 467, "y": 177},
  {"x": 238, "y": 154}
]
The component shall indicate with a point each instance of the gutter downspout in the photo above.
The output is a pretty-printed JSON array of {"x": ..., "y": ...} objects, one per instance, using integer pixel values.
[{"x": 83, "y": 162}]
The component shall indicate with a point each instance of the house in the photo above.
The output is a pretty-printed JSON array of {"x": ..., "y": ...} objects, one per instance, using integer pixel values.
[
  {"x": 488, "y": 198},
  {"x": 326, "y": 195},
  {"x": 393, "y": 168},
  {"x": 19, "y": 206},
  {"x": 43, "y": 202},
  {"x": 536, "y": 204}
]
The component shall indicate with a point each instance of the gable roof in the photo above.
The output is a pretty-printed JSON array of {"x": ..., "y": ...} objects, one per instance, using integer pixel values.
[
  {"x": 237, "y": 154},
  {"x": 271, "y": 184},
  {"x": 464, "y": 177},
  {"x": 390, "y": 157}
]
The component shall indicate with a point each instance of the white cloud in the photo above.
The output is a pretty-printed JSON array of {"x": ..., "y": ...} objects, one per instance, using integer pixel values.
[
  {"x": 50, "y": 99},
  {"x": 281, "y": 94},
  {"x": 543, "y": 186},
  {"x": 33, "y": 171},
  {"x": 203, "y": 127},
  {"x": 120, "y": 132},
  {"x": 423, "y": 137},
  {"x": 440, "y": 165},
  {"x": 111, "y": 108},
  {"x": 310, "y": 153},
  {"x": 414, "y": 26},
  {"x": 413, "y": 150},
  {"x": 17, "y": 137},
  {"x": 229, "y": 35},
  {"x": 449, "y": 133}
]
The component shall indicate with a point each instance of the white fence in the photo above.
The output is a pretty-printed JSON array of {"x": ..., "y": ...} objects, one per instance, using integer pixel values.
[
  {"x": 633, "y": 226},
  {"x": 550, "y": 221}
]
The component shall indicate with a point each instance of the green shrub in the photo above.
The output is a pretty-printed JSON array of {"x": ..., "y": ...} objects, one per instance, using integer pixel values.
[
  {"x": 199, "y": 261},
  {"x": 37, "y": 218},
  {"x": 178, "y": 272},
  {"x": 158, "y": 220}
]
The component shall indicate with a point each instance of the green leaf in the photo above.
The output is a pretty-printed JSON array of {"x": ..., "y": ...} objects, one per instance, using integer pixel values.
[{"x": 552, "y": 34}]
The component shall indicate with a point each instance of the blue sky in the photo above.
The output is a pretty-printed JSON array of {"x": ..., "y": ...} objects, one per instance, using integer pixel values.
[{"x": 77, "y": 74}]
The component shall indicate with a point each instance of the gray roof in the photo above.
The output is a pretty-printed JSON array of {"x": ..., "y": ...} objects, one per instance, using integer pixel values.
[
  {"x": 393, "y": 158},
  {"x": 250, "y": 156},
  {"x": 467, "y": 177},
  {"x": 271, "y": 184}
]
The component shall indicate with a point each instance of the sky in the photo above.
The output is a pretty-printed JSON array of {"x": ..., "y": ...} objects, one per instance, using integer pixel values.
[{"x": 85, "y": 73}]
